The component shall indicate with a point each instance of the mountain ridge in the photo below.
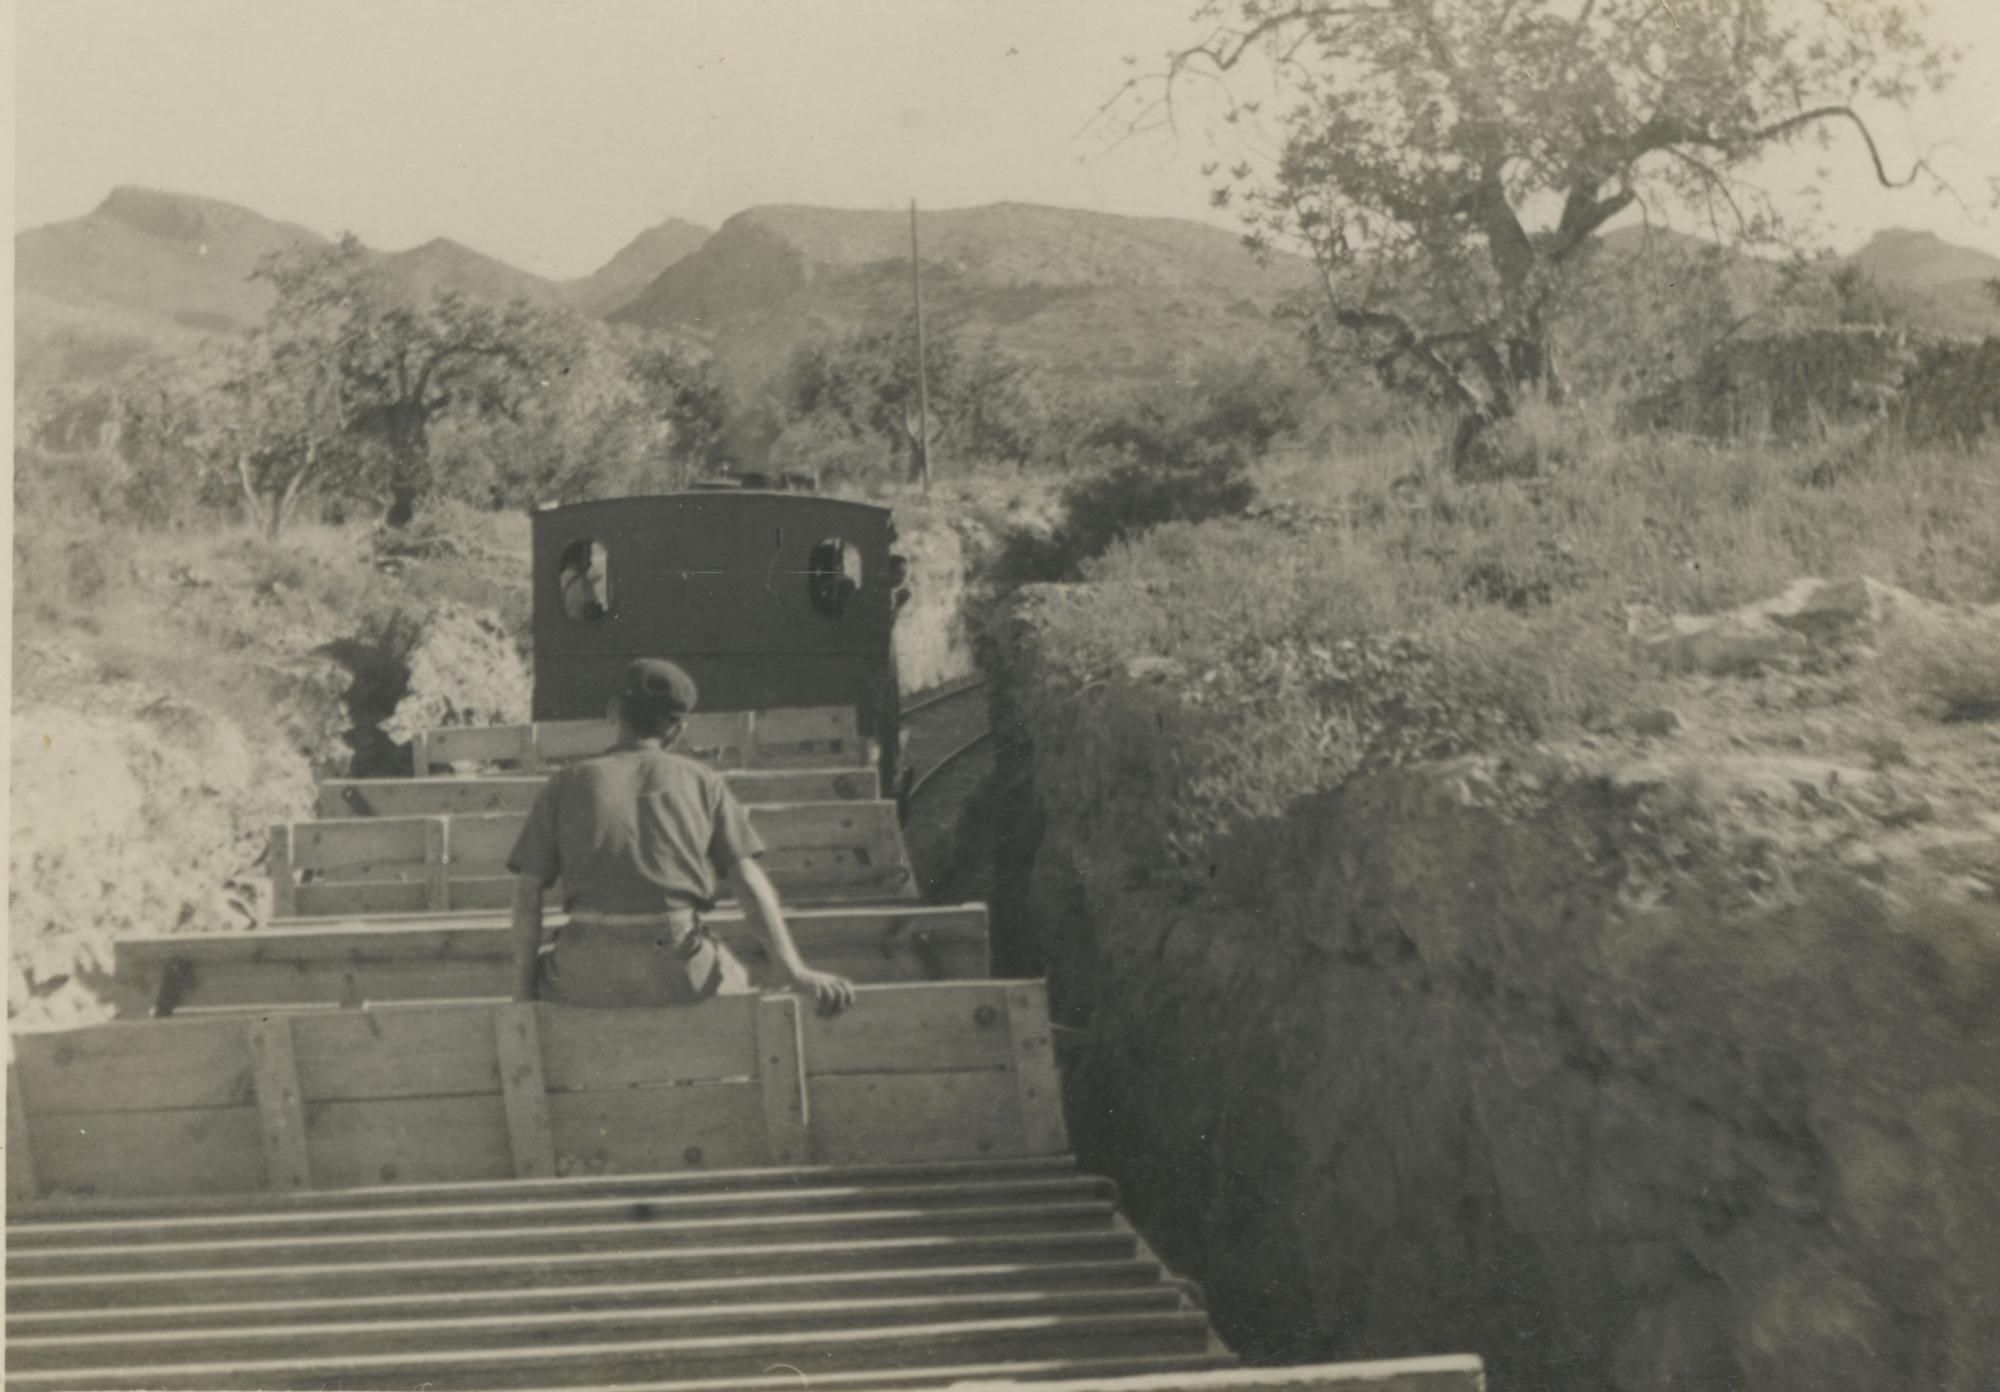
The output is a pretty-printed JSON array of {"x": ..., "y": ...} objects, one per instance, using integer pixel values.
[{"x": 1080, "y": 291}]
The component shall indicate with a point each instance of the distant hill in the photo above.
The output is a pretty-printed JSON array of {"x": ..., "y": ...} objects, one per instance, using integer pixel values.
[
  {"x": 1932, "y": 284},
  {"x": 1075, "y": 291},
  {"x": 442, "y": 264},
  {"x": 174, "y": 257},
  {"x": 1948, "y": 283},
  {"x": 1924, "y": 260},
  {"x": 638, "y": 263}
]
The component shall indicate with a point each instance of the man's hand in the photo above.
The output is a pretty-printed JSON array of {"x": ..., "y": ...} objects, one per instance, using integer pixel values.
[{"x": 831, "y": 994}]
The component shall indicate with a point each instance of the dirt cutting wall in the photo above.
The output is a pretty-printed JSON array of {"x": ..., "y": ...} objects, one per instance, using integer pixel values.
[{"x": 1502, "y": 1059}]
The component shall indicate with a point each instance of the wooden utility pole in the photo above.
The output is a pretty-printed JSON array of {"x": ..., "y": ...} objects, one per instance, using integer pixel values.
[{"x": 923, "y": 375}]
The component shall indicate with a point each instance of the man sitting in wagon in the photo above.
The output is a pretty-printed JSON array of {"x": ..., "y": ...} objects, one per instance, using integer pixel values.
[{"x": 641, "y": 838}]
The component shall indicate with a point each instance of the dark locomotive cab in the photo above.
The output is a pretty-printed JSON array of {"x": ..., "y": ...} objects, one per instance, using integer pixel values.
[{"x": 769, "y": 599}]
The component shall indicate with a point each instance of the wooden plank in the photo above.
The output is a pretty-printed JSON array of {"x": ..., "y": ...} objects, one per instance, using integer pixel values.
[
  {"x": 556, "y": 1270},
  {"x": 542, "y": 1326},
  {"x": 587, "y": 1050},
  {"x": 437, "y": 863},
  {"x": 139, "y": 1064},
  {"x": 1451, "y": 1372},
  {"x": 904, "y": 1283},
  {"x": 793, "y": 724},
  {"x": 523, "y": 1090},
  {"x": 348, "y": 847},
  {"x": 657, "y": 1130},
  {"x": 425, "y": 797},
  {"x": 409, "y": 1140},
  {"x": 428, "y": 1052},
  {"x": 22, "y": 1184},
  {"x": 459, "y": 796},
  {"x": 333, "y": 899},
  {"x": 469, "y": 744},
  {"x": 408, "y": 961},
  {"x": 564, "y": 741},
  {"x": 781, "y": 1079},
  {"x": 481, "y": 843},
  {"x": 278, "y": 861},
  {"x": 1036, "y": 1081},
  {"x": 206, "y": 1150},
  {"x": 280, "y": 1108},
  {"x": 803, "y": 824},
  {"x": 913, "y": 1029},
  {"x": 740, "y": 1357},
  {"x": 867, "y": 1117}
]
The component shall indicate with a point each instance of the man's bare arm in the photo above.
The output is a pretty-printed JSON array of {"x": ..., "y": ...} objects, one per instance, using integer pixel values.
[
  {"x": 759, "y": 899},
  {"x": 527, "y": 935}
]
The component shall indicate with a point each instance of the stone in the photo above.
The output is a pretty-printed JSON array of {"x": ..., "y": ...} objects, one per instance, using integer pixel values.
[
  {"x": 1151, "y": 668},
  {"x": 1655, "y": 723}
]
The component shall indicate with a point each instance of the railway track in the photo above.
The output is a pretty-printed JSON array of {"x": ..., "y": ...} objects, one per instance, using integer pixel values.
[{"x": 945, "y": 727}]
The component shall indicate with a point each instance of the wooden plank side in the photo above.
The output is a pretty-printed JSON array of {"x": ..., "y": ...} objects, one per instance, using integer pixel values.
[
  {"x": 909, "y": 1117},
  {"x": 523, "y": 1090},
  {"x": 796, "y": 724},
  {"x": 655, "y": 1130},
  {"x": 562, "y": 741},
  {"x": 615, "y": 1051},
  {"x": 280, "y": 1110},
  {"x": 409, "y": 1140},
  {"x": 470, "y": 744},
  {"x": 818, "y": 735},
  {"x": 23, "y": 1185},
  {"x": 1036, "y": 1081},
  {"x": 411, "y": 961},
  {"x": 204, "y": 1150},
  {"x": 913, "y": 1029},
  {"x": 462, "y": 796},
  {"x": 805, "y": 824},
  {"x": 337, "y": 899},
  {"x": 480, "y": 844},
  {"x": 755, "y": 786},
  {"x": 1452, "y": 1372},
  {"x": 346, "y": 847},
  {"x": 425, "y": 797},
  {"x": 278, "y": 864},
  {"x": 417, "y": 1052},
  {"x": 136, "y": 1064},
  {"x": 437, "y": 863},
  {"x": 781, "y": 1079}
]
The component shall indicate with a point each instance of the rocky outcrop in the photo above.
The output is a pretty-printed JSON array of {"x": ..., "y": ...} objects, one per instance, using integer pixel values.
[
  {"x": 1662, "y": 1057},
  {"x": 464, "y": 669},
  {"x": 146, "y": 815}
]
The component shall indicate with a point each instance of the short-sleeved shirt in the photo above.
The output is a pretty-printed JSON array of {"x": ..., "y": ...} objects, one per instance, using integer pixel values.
[{"x": 637, "y": 830}]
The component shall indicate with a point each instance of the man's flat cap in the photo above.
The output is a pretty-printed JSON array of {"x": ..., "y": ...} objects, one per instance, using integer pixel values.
[{"x": 658, "y": 679}]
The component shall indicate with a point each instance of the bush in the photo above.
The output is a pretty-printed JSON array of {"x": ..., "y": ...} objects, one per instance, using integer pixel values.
[{"x": 1379, "y": 615}]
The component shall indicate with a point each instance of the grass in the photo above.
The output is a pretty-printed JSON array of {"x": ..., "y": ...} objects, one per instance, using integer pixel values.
[
  {"x": 208, "y": 613},
  {"x": 1377, "y": 609}
]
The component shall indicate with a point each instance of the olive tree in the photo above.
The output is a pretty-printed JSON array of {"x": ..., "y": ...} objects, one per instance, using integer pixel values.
[
  {"x": 1446, "y": 163},
  {"x": 404, "y": 364}
]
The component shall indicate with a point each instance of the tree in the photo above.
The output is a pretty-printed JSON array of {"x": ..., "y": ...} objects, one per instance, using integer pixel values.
[
  {"x": 683, "y": 397},
  {"x": 860, "y": 390},
  {"x": 401, "y": 365},
  {"x": 1445, "y": 163}
]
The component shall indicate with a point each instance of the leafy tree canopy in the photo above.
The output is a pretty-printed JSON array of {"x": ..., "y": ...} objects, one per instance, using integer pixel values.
[{"x": 1446, "y": 162}]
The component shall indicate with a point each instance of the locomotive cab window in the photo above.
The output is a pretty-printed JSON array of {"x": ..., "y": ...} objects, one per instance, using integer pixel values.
[
  {"x": 584, "y": 573},
  {"x": 833, "y": 574}
]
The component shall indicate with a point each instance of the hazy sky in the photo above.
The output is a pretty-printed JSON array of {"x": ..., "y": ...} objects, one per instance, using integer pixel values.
[{"x": 548, "y": 132}]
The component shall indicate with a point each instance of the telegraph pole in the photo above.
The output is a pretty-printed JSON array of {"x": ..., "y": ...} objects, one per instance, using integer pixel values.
[{"x": 923, "y": 375}]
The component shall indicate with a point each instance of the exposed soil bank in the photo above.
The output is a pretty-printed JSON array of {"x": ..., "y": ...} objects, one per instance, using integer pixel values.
[{"x": 1564, "y": 1064}]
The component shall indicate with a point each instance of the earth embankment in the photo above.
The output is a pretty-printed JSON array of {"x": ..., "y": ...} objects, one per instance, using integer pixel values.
[{"x": 1661, "y": 1057}]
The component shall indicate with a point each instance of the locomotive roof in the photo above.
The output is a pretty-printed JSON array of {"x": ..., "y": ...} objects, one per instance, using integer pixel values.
[{"x": 707, "y": 494}]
